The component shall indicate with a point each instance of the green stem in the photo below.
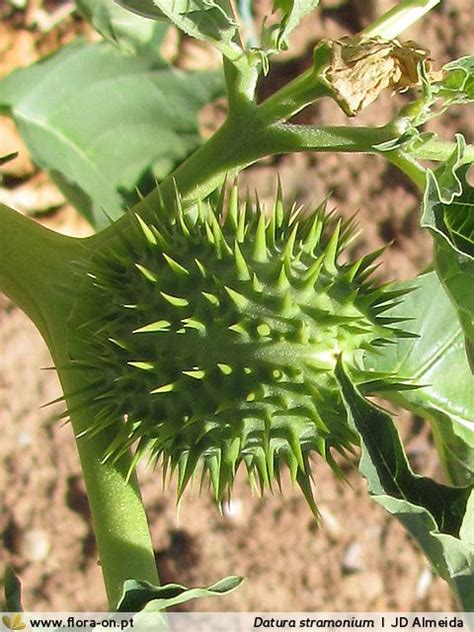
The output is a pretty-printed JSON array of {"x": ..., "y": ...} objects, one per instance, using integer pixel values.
[
  {"x": 294, "y": 97},
  {"x": 241, "y": 81},
  {"x": 120, "y": 523},
  {"x": 409, "y": 166},
  {"x": 37, "y": 271},
  {"x": 401, "y": 17}
]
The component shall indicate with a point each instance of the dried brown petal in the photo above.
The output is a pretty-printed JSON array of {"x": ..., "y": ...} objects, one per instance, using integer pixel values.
[{"x": 361, "y": 68}]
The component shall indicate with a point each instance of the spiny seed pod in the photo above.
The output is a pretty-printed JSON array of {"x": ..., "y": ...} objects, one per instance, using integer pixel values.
[{"x": 218, "y": 337}]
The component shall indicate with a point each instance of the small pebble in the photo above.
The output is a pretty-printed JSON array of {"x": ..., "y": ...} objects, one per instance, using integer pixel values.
[
  {"x": 35, "y": 545},
  {"x": 330, "y": 524},
  {"x": 23, "y": 439},
  {"x": 352, "y": 560},
  {"x": 234, "y": 510},
  {"x": 424, "y": 581}
]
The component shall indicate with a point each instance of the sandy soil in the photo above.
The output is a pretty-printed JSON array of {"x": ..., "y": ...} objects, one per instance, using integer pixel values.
[{"x": 360, "y": 559}]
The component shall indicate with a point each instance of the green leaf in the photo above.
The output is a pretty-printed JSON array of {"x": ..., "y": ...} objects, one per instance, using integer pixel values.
[
  {"x": 103, "y": 123},
  {"x": 436, "y": 361},
  {"x": 130, "y": 32},
  {"x": 12, "y": 590},
  {"x": 293, "y": 12},
  {"x": 141, "y": 596},
  {"x": 457, "y": 86},
  {"x": 210, "y": 20},
  {"x": 437, "y": 516},
  {"x": 448, "y": 212}
]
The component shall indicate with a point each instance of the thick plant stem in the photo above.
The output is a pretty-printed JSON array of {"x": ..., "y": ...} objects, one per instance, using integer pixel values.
[
  {"x": 120, "y": 523},
  {"x": 37, "y": 271},
  {"x": 409, "y": 166},
  {"x": 400, "y": 18},
  {"x": 222, "y": 156}
]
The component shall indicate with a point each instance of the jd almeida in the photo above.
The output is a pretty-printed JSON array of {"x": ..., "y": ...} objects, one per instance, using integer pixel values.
[{"x": 426, "y": 622}]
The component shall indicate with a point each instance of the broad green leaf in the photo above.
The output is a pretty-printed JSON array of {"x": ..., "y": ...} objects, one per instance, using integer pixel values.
[
  {"x": 12, "y": 590},
  {"x": 448, "y": 212},
  {"x": 141, "y": 596},
  {"x": 130, "y": 32},
  {"x": 210, "y": 20},
  {"x": 436, "y": 361},
  {"x": 215, "y": 21},
  {"x": 437, "y": 516},
  {"x": 103, "y": 123}
]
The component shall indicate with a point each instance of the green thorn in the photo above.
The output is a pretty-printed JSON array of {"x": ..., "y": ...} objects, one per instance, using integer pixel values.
[
  {"x": 303, "y": 333},
  {"x": 263, "y": 330},
  {"x": 213, "y": 464},
  {"x": 313, "y": 274},
  {"x": 240, "y": 300},
  {"x": 201, "y": 268},
  {"x": 247, "y": 370},
  {"x": 176, "y": 301},
  {"x": 230, "y": 455},
  {"x": 257, "y": 286},
  {"x": 282, "y": 283},
  {"x": 260, "y": 244},
  {"x": 144, "y": 366},
  {"x": 288, "y": 306},
  {"x": 260, "y": 463},
  {"x": 209, "y": 234},
  {"x": 244, "y": 211},
  {"x": 219, "y": 208},
  {"x": 292, "y": 463},
  {"x": 192, "y": 323},
  {"x": 196, "y": 373},
  {"x": 251, "y": 397},
  {"x": 226, "y": 369},
  {"x": 295, "y": 214},
  {"x": 238, "y": 329},
  {"x": 166, "y": 388},
  {"x": 331, "y": 250},
  {"x": 180, "y": 210},
  {"x": 314, "y": 234},
  {"x": 220, "y": 243},
  {"x": 159, "y": 325},
  {"x": 288, "y": 251},
  {"x": 175, "y": 266},
  {"x": 148, "y": 274},
  {"x": 147, "y": 232},
  {"x": 162, "y": 242},
  {"x": 212, "y": 298},
  {"x": 305, "y": 486},
  {"x": 120, "y": 344},
  {"x": 243, "y": 273},
  {"x": 232, "y": 217},
  {"x": 276, "y": 219},
  {"x": 279, "y": 208}
]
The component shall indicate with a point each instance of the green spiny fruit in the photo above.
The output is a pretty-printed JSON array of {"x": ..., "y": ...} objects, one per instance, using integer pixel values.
[{"x": 218, "y": 336}]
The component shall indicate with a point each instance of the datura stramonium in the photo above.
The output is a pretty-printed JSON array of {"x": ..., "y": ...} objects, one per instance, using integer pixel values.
[{"x": 218, "y": 336}]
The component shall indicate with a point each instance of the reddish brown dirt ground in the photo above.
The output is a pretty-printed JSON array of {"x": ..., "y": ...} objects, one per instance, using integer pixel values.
[{"x": 359, "y": 559}]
